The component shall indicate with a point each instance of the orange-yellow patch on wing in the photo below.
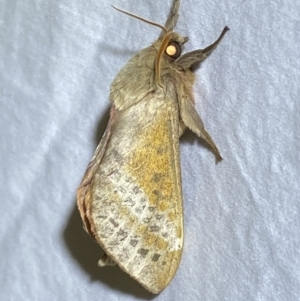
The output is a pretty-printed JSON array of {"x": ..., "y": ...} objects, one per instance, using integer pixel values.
[
  {"x": 172, "y": 215},
  {"x": 151, "y": 163}
]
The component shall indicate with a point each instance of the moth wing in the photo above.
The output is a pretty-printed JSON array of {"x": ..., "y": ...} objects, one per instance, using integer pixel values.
[
  {"x": 134, "y": 199},
  {"x": 82, "y": 197}
]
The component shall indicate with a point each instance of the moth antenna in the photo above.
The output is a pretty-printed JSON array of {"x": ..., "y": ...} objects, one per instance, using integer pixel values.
[
  {"x": 140, "y": 18},
  {"x": 159, "y": 55},
  {"x": 172, "y": 18}
]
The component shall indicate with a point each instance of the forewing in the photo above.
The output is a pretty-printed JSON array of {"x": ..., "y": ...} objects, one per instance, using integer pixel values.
[
  {"x": 83, "y": 199},
  {"x": 135, "y": 199}
]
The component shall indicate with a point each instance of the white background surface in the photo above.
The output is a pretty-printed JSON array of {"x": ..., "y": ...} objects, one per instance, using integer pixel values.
[{"x": 242, "y": 216}]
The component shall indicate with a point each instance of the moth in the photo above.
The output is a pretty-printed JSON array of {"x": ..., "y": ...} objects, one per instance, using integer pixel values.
[{"x": 130, "y": 198}]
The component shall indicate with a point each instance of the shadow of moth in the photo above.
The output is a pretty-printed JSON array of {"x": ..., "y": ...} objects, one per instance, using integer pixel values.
[{"x": 130, "y": 198}]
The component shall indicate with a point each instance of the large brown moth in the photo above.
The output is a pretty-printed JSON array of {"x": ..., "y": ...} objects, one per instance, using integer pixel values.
[{"x": 130, "y": 198}]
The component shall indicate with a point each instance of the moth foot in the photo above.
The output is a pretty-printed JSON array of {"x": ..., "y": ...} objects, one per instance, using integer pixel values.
[{"x": 106, "y": 261}]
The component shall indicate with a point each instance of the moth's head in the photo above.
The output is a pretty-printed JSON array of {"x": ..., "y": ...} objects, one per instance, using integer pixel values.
[
  {"x": 171, "y": 45},
  {"x": 169, "y": 42}
]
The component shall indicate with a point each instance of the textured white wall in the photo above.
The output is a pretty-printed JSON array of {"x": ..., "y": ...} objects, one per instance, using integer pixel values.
[{"x": 242, "y": 225}]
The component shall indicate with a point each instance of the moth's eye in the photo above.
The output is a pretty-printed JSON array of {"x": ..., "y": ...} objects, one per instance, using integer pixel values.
[{"x": 173, "y": 50}]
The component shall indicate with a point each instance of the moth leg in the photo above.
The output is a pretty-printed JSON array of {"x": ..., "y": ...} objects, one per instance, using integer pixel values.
[
  {"x": 187, "y": 60},
  {"x": 172, "y": 18},
  {"x": 192, "y": 120},
  {"x": 182, "y": 127},
  {"x": 205, "y": 135},
  {"x": 209, "y": 49},
  {"x": 106, "y": 261}
]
